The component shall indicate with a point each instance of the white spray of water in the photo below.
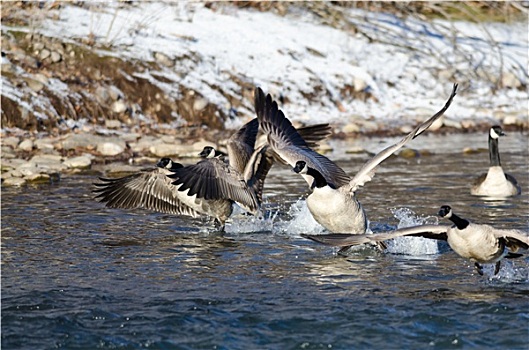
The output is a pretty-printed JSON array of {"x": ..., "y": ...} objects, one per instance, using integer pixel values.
[
  {"x": 412, "y": 245},
  {"x": 240, "y": 222},
  {"x": 301, "y": 221}
]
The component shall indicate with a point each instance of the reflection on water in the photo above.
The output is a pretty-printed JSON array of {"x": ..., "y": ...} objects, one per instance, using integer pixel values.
[{"x": 75, "y": 274}]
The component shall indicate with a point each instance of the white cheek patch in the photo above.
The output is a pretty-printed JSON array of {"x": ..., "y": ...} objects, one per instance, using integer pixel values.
[{"x": 493, "y": 134}]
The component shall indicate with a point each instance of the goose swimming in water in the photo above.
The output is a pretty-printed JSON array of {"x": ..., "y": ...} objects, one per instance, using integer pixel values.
[
  {"x": 495, "y": 183},
  {"x": 481, "y": 244},
  {"x": 332, "y": 202}
]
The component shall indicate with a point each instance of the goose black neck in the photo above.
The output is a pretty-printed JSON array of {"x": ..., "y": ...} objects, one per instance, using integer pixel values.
[
  {"x": 494, "y": 152},
  {"x": 319, "y": 180},
  {"x": 459, "y": 222}
]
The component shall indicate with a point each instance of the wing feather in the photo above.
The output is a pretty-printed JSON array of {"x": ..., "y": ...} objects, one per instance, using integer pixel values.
[
  {"x": 366, "y": 173},
  {"x": 213, "y": 179},
  {"x": 345, "y": 240},
  {"x": 150, "y": 190},
  {"x": 241, "y": 145},
  {"x": 288, "y": 144}
]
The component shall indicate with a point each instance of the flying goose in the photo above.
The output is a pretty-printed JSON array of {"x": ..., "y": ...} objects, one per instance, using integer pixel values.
[
  {"x": 495, "y": 183},
  {"x": 332, "y": 202},
  {"x": 481, "y": 244}
]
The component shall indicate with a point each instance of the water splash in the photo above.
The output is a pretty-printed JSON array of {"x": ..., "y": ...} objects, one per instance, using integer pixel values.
[
  {"x": 240, "y": 222},
  {"x": 509, "y": 272},
  {"x": 412, "y": 245},
  {"x": 301, "y": 221}
]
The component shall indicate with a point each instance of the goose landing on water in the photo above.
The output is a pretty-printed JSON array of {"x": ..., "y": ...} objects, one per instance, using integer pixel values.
[
  {"x": 332, "y": 202},
  {"x": 495, "y": 183},
  {"x": 481, "y": 244}
]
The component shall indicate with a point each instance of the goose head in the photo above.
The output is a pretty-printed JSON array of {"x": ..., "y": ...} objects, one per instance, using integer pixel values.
[
  {"x": 167, "y": 163},
  {"x": 496, "y": 131},
  {"x": 445, "y": 211},
  {"x": 207, "y": 152},
  {"x": 301, "y": 167}
]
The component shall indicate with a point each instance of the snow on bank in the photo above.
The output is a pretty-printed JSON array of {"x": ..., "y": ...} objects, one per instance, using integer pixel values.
[{"x": 294, "y": 56}]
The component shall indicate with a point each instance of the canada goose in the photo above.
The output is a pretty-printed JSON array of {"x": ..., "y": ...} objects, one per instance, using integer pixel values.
[
  {"x": 481, "y": 244},
  {"x": 332, "y": 202},
  {"x": 495, "y": 183},
  {"x": 209, "y": 187}
]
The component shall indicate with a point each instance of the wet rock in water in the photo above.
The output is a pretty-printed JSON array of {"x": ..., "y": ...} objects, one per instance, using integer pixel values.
[
  {"x": 409, "y": 153},
  {"x": 11, "y": 164},
  {"x": 14, "y": 181},
  {"x": 80, "y": 162},
  {"x": 38, "y": 178},
  {"x": 26, "y": 145},
  {"x": 111, "y": 148},
  {"x": 47, "y": 163}
]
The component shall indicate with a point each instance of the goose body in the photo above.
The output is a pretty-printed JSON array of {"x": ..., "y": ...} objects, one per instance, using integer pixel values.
[
  {"x": 495, "y": 183},
  {"x": 481, "y": 244},
  {"x": 332, "y": 203}
]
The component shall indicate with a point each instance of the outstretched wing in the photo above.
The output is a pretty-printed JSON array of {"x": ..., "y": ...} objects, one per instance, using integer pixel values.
[
  {"x": 147, "y": 189},
  {"x": 241, "y": 145},
  {"x": 366, "y": 173},
  {"x": 514, "y": 239},
  {"x": 345, "y": 240},
  {"x": 257, "y": 168},
  {"x": 289, "y": 145},
  {"x": 213, "y": 179}
]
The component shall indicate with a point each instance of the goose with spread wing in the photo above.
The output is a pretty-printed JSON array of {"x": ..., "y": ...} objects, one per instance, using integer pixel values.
[
  {"x": 332, "y": 202},
  {"x": 481, "y": 244},
  {"x": 495, "y": 183}
]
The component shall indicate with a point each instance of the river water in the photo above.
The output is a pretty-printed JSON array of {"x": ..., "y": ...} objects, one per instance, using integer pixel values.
[{"x": 78, "y": 275}]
